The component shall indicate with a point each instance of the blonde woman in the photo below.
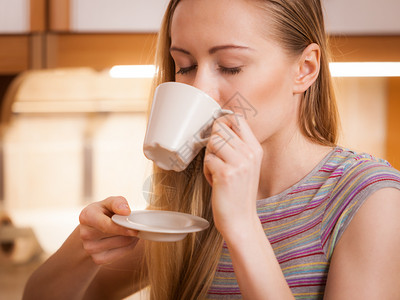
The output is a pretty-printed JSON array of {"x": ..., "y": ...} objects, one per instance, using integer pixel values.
[{"x": 292, "y": 214}]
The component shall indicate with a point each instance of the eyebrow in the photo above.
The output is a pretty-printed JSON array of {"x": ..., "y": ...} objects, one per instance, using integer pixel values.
[
  {"x": 224, "y": 47},
  {"x": 213, "y": 49}
]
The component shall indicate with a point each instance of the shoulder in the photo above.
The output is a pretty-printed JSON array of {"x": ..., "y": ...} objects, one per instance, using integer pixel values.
[
  {"x": 348, "y": 161},
  {"x": 366, "y": 259},
  {"x": 355, "y": 177},
  {"x": 357, "y": 173},
  {"x": 362, "y": 174},
  {"x": 348, "y": 168}
]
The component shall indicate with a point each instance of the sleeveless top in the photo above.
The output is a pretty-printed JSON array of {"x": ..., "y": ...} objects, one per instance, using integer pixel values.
[{"x": 305, "y": 222}]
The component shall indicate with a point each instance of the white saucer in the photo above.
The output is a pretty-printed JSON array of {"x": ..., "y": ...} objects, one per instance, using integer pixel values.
[{"x": 160, "y": 225}]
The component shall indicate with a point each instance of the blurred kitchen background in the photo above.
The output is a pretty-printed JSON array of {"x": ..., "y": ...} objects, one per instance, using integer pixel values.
[{"x": 71, "y": 131}]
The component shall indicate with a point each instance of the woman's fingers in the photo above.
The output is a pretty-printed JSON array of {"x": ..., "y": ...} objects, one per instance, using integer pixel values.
[
  {"x": 101, "y": 237},
  {"x": 113, "y": 254},
  {"x": 211, "y": 164},
  {"x": 91, "y": 233},
  {"x": 108, "y": 243},
  {"x": 98, "y": 216},
  {"x": 231, "y": 139},
  {"x": 237, "y": 123},
  {"x": 116, "y": 205},
  {"x": 222, "y": 135}
]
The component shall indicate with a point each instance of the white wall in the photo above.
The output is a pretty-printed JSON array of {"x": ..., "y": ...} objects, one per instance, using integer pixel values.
[
  {"x": 362, "y": 16},
  {"x": 14, "y": 16},
  {"x": 117, "y": 15},
  {"x": 342, "y": 16}
]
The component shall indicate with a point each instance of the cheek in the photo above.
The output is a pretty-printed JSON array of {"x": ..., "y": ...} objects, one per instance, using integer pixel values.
[{"x": 274, "y": 106}]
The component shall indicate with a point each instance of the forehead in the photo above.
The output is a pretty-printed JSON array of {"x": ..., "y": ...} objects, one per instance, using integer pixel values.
[{"x": 216, "y": 21}]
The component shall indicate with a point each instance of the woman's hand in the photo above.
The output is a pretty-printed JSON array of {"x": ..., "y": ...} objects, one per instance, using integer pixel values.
[
  {"x": 232, "y": 166},
  {"x": 104, "y": 240}
]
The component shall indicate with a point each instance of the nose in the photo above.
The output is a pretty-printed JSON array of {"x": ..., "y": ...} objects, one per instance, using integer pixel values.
[{"x": 205, "y": 81}]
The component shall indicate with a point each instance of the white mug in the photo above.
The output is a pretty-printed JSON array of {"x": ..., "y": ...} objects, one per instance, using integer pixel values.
[{"x": 180, "y": 117}]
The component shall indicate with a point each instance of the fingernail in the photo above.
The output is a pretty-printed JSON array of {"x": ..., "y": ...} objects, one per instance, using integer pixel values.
[{"x": 123, "y": 206}]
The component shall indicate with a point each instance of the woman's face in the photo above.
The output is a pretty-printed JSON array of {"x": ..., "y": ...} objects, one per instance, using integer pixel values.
[{"x": 220, "y": 48}]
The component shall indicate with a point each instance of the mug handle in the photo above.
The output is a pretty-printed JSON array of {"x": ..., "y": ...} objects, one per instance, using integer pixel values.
[{"x": 202, "y": 142}]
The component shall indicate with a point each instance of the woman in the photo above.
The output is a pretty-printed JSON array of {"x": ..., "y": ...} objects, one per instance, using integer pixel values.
[{"x": 292, "y": 215}]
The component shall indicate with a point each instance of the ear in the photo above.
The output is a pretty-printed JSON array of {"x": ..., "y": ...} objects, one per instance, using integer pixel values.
[{"x": 307, "y": 69}]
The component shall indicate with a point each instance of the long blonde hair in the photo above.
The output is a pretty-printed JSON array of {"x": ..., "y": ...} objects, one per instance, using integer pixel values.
[
  {"x": 297, "y": 24},
  {"x": 185, "y": 269}
]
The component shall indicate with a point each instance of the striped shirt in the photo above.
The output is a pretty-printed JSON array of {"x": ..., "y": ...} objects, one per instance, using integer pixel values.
[{"x": 305, "y": 222}]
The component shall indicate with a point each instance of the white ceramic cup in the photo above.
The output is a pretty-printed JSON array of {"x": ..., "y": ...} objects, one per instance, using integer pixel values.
[{"x": 181, "y": 115}]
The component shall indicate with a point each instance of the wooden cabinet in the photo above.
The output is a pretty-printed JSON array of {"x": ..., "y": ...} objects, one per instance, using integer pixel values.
[
  {"x": 14, "y": 54},
  {"x": 99, "y": 51},
  {"x": 19, "y": 53},
  {"x": 37, "y": 34},
  {"x": 21, "y": 25},
  {"x": 365, "y": 48},
  {"x": 95, "y": 16}
]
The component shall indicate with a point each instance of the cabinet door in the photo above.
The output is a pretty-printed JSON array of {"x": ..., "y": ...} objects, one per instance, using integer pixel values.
[
  {"x": 362, "y": 17},
  {"x": 139, "y": 16},
  {"x": 14, "y": 16},
  {"x": 22, "y": 16}
]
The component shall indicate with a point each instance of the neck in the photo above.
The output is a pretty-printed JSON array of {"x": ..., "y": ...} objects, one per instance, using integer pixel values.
[{"x": 286, "y": 162}]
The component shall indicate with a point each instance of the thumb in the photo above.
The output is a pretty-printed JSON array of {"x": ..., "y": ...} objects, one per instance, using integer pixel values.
[{"x": 118, "y": 205}]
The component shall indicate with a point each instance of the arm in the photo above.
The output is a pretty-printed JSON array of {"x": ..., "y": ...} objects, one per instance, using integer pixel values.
[
  {"x": 256, "y": 268},
  {"x": 366, "y": 261},
  {"x": 232, "y": 166},
  {"x": 92, "y": 254},
  {"x": 120, "y": 278},
  {"x": 65, "y": 275}
]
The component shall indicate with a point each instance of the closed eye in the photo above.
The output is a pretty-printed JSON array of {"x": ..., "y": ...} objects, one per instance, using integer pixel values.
[
  {"x": 186, "y": 70},
  {"x": 230, "y": 71},
  {"x": 224, "y": 70}
]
